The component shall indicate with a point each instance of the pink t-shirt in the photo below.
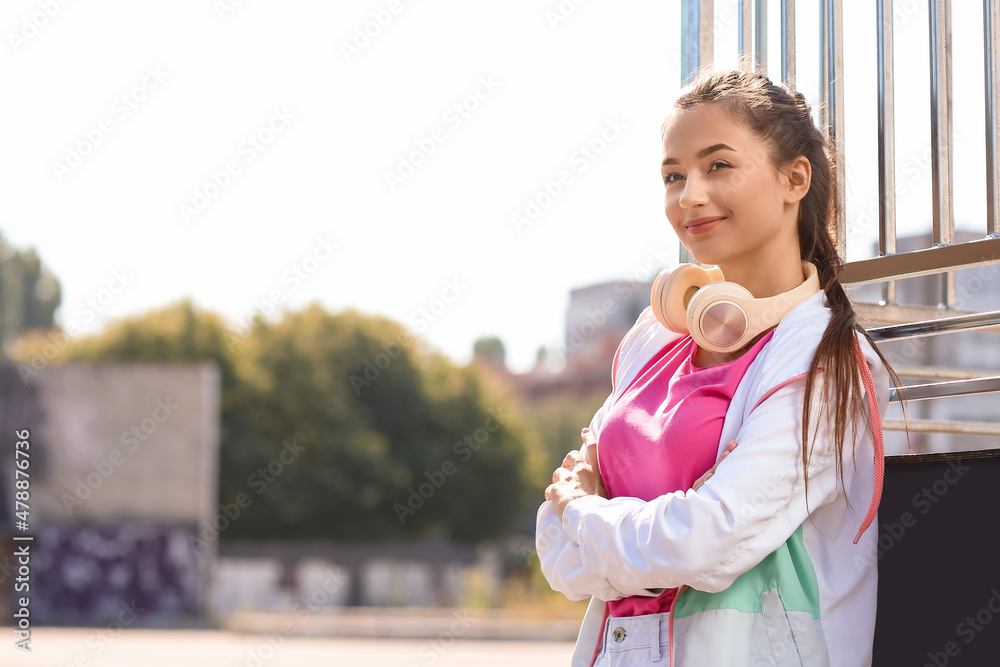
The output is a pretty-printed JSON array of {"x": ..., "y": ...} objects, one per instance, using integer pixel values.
[{"x": 662, "y": 434}]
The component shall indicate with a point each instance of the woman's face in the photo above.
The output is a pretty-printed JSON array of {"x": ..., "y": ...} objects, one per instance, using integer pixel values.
[{"x": 725, "y": 201}]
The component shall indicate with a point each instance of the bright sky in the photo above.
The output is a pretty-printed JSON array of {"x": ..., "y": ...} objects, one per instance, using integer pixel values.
[{"x": 238, "y": 151}]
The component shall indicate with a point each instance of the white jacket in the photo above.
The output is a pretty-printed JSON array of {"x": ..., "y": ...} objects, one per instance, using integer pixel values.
[{"x": 768, "y": 582}]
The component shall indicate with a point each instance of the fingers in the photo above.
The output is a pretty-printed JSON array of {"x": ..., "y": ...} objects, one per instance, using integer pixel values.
[
  {"x": 559, "y": 473},
  {"x": 731, "y": 447},
  {"x": 568, "y": 471},
  {"x": 572, "y": 459},
  {"x": 711, "y": 471},
  {"x": 701, "y": 480},
  {"x": 589, "y": 446}
]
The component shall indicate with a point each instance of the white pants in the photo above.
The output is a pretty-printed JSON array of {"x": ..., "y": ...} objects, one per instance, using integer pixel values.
[{"x": 633, "y": 641}]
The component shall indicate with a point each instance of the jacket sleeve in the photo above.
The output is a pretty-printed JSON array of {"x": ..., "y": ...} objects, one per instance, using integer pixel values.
[
  {"x": 562, "y": 564},
  {"x": 746, "y": 510},
  {"x": 561, "y": 559}
]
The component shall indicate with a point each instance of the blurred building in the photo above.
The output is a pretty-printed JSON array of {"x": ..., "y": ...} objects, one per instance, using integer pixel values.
[
  {"x": 597, "y": 319},
  {"x": 123, "y": 475}
]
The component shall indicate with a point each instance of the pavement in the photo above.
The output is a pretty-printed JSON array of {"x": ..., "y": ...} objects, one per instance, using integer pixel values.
[
  {"x": 132, "y": 647},
  {"x": 410, "y": 623}
]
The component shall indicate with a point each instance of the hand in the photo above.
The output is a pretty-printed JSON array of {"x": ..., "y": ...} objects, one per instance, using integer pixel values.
[
  {"x": 577, "y": 478},
  {"x": 704, "y": 478}
]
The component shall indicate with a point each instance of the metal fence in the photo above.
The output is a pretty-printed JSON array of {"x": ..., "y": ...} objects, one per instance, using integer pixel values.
[{"x": 944, "y": 256}]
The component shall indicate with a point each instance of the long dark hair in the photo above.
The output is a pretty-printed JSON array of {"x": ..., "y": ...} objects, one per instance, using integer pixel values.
[{"x": 783, "y": 119}]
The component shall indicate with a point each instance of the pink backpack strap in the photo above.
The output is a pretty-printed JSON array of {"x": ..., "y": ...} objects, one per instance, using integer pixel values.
[{"x": 876, "y": 419}]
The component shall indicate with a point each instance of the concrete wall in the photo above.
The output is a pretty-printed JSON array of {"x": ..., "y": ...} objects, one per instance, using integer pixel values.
[
  {"x": 128, "y": 441},
  {"x": 124, "y": 471}
]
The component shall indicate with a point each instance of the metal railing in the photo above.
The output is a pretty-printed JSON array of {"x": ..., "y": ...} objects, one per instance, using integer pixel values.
[{"x": 945, "y": 255}]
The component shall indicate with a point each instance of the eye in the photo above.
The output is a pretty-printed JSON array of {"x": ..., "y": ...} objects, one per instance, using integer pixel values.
[
  {"x": 718, "y": 163},
  {"x": 671, "y": 177}
]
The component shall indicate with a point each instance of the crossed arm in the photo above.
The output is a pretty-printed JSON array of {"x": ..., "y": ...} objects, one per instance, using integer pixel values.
[
  {"x": 703, "y": 537},
  {"x": 561, "y": 558}
]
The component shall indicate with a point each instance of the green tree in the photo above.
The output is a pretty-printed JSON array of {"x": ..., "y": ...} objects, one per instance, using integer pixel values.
[
  {"x": 491, "y": 350},
  {"x": 557, "y": 420},
  {"x": 390, "y": 441},
  {"x": 398, "y": 442},
  {"x": 29, "y": 292}
]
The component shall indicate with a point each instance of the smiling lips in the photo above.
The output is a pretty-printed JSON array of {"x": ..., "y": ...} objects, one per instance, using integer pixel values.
[{"x": 702, "y": 225}]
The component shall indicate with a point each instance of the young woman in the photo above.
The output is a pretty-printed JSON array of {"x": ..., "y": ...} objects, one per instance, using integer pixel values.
[{"x": 696, "y": 550}]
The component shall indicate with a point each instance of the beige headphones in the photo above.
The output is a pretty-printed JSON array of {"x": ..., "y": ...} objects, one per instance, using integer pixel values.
[{"x": 721, "y": 316}]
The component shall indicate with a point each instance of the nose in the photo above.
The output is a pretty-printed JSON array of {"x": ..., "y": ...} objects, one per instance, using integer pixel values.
[{"x": 694, "y": 194}]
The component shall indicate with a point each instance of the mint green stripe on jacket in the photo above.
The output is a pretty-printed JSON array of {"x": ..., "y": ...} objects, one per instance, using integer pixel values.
[{"x": 788, "y": 568}]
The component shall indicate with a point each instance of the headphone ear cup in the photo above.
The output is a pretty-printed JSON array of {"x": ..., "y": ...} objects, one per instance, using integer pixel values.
[
  {"x": 673, "y": 290},
  {"x": 716, "y": 319}
]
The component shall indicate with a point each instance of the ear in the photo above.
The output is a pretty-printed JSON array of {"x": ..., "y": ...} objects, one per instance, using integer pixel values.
[{"x": 798, "y": 176}]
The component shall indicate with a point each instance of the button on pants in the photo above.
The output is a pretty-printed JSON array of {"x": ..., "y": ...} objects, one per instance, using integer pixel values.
[{"x": 633, "y": 641}]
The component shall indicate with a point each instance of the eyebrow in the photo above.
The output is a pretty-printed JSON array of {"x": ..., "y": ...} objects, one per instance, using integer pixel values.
[{"x": 702, "y": 153}]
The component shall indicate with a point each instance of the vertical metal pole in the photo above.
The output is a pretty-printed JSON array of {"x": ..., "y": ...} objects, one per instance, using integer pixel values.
[
  {"x": 824, "y": 37},
  {"x": 991, "y": 32},
  {"x": 760, "y": 37},
  {"x": 886, "y": 142},
  {"x": 697, "y": 46},
  {"x": 947, "y": 290},
  {"x": 941, "y": 180},
  {"x": 835, "y": 97},
  {"x": 788, "y": 43},
  {"x": 689, "y": 41},
  {"x": 697, "y": 36},
  {"x": 744, "y": 24}
]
